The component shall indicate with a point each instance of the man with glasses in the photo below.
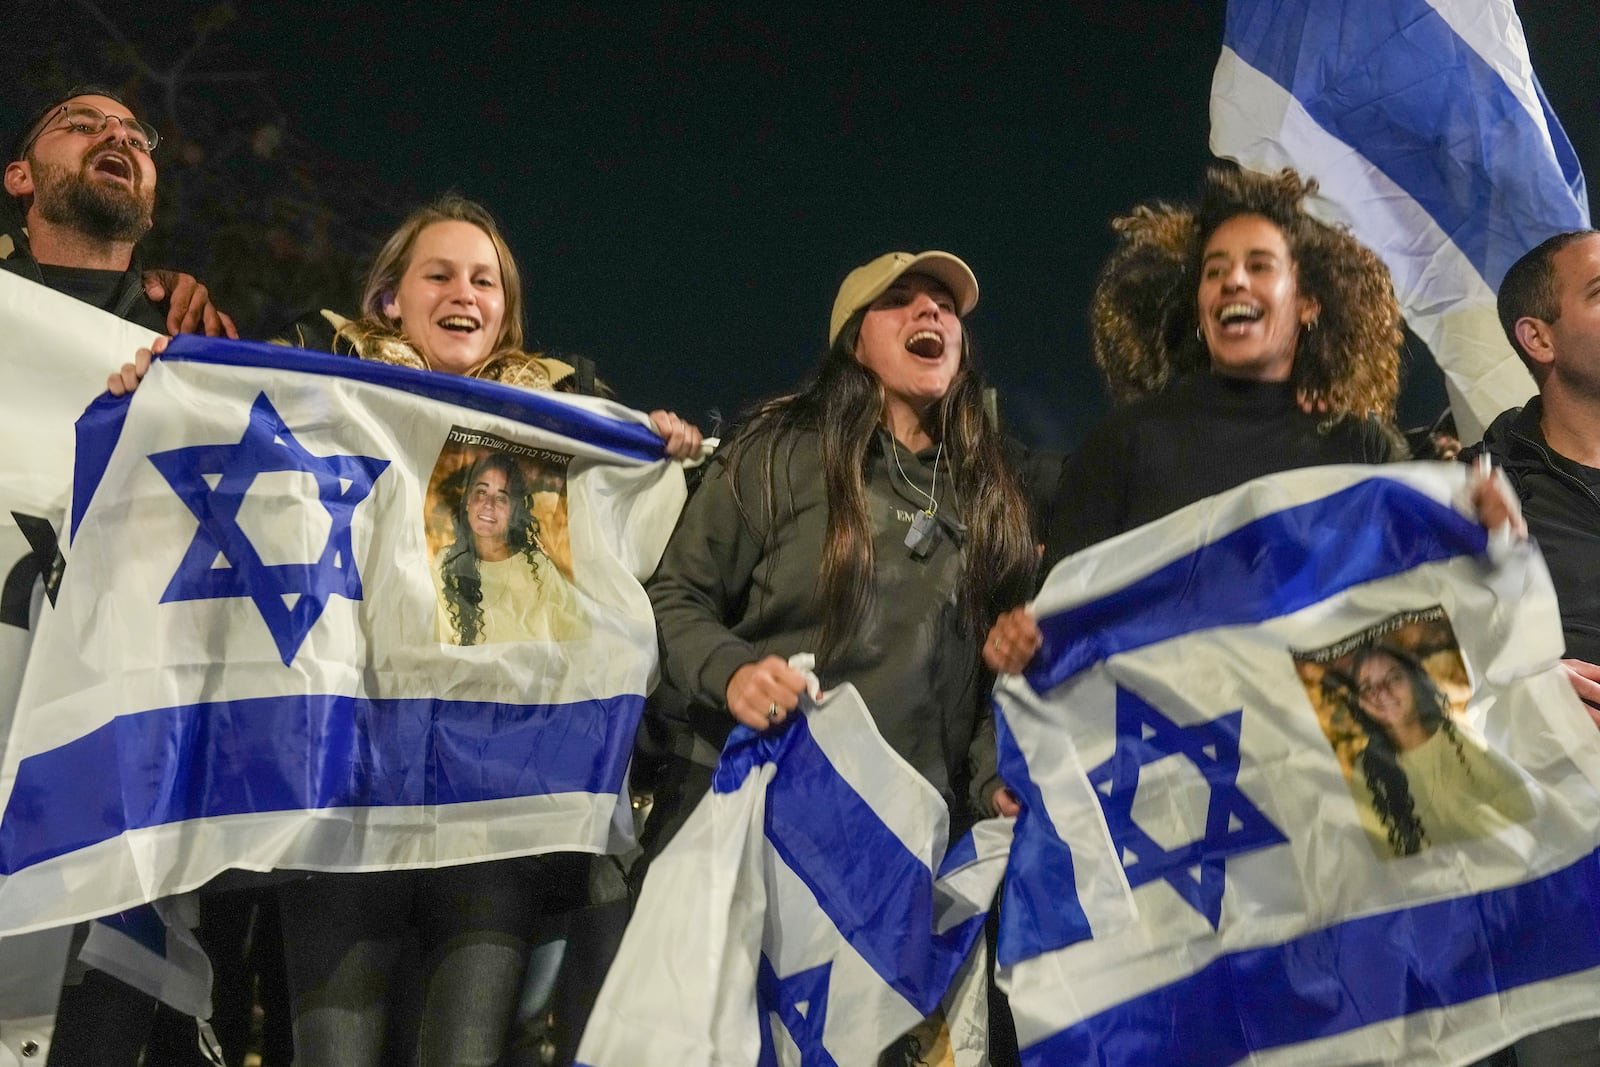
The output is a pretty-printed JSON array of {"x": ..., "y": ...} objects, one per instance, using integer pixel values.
[{"x": 80, "y": 192}]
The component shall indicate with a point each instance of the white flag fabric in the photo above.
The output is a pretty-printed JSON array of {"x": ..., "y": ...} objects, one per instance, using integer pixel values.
[
  {"x": 153, "y": 948},
  {"x": 1327, "y": 744},
  {"x": 1432, "y": 140},
  {"x": 807, "y": 911},
  {"x": 32, "y": 967},
  {"x": 55, "y": 353},
  {"x": 287, "y": 636}
]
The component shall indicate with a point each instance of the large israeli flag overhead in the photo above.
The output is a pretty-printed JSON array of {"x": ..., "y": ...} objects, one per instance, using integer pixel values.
[
  {"x": 251, "y": 662},
  {"x": 806, "y": 913},
  {"x": 1200, "y": 700},
  {"x": 1432, "y": 140}
]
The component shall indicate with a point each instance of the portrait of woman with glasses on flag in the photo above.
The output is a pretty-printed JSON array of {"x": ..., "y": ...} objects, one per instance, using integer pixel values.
[{"x": 1422, "y": 779}]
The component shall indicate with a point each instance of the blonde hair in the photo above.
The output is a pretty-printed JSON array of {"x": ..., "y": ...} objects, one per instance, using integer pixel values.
[{"x": 390, "y": 265}]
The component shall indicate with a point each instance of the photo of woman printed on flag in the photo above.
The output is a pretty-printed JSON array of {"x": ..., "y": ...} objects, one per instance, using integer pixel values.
[
  {"x": 1391, "y": 700},
  {"x": 496, "y": 526}
]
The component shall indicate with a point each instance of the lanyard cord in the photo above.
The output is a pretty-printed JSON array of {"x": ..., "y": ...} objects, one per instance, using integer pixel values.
[{"x": 933, "y": 501}]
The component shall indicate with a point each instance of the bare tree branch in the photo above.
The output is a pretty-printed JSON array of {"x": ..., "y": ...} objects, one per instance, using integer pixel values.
[{"x": 92, "y": 9}]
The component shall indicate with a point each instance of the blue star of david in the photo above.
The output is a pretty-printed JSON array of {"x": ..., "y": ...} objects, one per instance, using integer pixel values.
[
  {"x": 1234, "y": 825},
  {"x": 289, "y": 596},
  {"x": 801, "y": 1004}
]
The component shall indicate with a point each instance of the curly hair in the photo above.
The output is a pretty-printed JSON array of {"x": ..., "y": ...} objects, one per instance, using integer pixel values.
[
  {"x": 844, "y": 404},
  {"x": 1380, "y": 762},
  {"x": 458, "y": 564},
  {"x": 1143, "y": 318}
]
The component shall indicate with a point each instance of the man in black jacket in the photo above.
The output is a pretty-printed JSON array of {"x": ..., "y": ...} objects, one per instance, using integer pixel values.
[
  {"x": 80, "y": 191},
  {"x": 1549, "y": 305},
  {"x": 1550, "y": 308}
]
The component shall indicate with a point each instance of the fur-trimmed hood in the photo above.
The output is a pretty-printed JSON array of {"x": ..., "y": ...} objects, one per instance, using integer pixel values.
[{"x": 380, "y": 344}]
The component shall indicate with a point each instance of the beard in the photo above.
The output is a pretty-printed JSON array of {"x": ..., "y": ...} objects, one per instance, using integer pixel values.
[{"x": 96, "y": 209}]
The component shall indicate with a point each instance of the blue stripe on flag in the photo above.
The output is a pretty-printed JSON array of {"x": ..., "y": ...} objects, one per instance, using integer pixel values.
[
  {"x": 1350, "y": 975},
  {"x": 874, "y": 890},
  {"x": 97, "y": 430},
  {"x": 307, "y": 752},
  {"x": 1390, "y": 78},
  {"x": 142, "y": 925},
  {"x": 1270, "y": 567},
  {"x": 959, "y": 854},
  {"x": 1039, "y": 911},
  {"x": 1566, "y": 155},
  {"x": 540, "y": 410}
]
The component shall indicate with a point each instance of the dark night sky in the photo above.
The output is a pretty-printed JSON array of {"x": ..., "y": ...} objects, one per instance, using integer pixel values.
[{"x": 685, "y": 184}]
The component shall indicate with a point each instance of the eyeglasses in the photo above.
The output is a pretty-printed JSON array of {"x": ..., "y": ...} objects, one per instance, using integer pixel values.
[
  {"x": 91, "y": 120},
  {"x": 1390, "y": 681}
]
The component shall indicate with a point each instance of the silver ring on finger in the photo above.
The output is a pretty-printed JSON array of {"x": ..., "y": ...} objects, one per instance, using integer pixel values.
[{"x": 772, "y": 712}]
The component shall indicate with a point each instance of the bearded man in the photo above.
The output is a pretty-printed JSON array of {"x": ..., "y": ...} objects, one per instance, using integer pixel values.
[{"x": 80, "y": 194}]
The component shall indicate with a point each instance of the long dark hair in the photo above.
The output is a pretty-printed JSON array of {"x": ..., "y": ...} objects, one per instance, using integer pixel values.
[
  {"x": 844, "y": 405},
  {"x": 1380, "y": 764},
  {"x": 458, "y": 566}
]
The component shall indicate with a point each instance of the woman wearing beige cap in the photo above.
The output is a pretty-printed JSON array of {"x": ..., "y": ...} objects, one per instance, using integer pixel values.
[{"x": 868, "y": 518}]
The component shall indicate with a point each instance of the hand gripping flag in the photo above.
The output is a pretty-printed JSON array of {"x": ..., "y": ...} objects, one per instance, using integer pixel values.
[
  {"x": 331, "y": 615},
  {"x": 806, "y": 913},
  {"x": 1432, "y": 140},
  {"x": 1325, "y": 741}
]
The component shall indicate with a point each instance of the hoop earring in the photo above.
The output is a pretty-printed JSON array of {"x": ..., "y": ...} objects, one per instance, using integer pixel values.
[
  {"x": 1311, "y": 325},
  {"x": 1198, "y": 336}
]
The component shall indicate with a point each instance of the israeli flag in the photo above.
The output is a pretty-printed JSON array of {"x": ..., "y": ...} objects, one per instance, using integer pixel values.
[
  {"x": 254, "y": 661},
  {"x": 1432, "y": 140},
  {"x": 807, "y": 912},
  {"x": 1211, "y": 696}
]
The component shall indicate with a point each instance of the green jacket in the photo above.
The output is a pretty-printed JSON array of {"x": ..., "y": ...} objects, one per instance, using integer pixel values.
[{"x": 736, "y": 585}]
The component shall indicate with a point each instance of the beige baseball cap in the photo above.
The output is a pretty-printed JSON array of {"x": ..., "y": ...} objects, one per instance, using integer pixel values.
[{"x": 866, "y": 283}]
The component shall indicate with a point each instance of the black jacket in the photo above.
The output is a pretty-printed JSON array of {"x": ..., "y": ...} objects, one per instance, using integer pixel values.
[
  {"x": 1204, "y": 435},
  {"x": 1563, "y": 513},
  {"x": 128, "y": 302}
]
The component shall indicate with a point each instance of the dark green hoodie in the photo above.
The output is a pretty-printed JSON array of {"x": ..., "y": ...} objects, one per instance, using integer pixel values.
[{"x": 735, "y": 586}]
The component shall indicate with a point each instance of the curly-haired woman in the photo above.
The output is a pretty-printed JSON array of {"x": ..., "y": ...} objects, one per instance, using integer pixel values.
[
  {"x": 1421, "y": 780},
  {"x": 1243, "y": 338},
  {"x": 1247, "y": 338}
]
